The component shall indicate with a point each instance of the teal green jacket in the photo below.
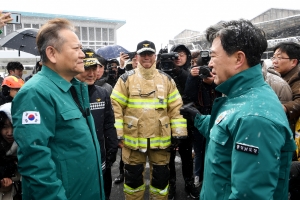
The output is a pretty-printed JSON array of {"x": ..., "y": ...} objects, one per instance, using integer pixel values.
[
  {"x": 58, "y": 155},
  {"x": 249, "y": 143}
]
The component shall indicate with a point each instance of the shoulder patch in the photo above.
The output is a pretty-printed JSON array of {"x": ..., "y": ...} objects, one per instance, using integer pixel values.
[
  {"x": 167, "y": 75},
  {"x": 124, "y": 76},
  {"x": 31, "y": 117}
]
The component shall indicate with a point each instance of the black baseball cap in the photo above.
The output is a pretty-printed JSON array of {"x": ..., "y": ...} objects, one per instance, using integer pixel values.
[
  {"x": 145, "y": 46},
  {"x": 90, "y": 58}
]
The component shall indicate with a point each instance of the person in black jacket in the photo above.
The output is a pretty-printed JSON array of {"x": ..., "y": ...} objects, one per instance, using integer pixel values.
[
  {"x": 102, "y": 112},
  {"x": 180, "y": 74}
]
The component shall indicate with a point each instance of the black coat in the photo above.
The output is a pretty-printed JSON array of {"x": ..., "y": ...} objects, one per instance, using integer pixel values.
[{"x": 101, "y": 109}]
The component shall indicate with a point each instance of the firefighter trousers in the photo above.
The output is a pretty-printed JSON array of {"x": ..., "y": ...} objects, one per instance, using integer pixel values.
[{"x": 135, "y": 162}]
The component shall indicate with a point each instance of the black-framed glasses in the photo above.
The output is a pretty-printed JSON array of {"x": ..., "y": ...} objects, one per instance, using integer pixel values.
[{"x": 278, "y": 58}]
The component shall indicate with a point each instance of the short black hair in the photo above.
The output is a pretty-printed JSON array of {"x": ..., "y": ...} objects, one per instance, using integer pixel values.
[
  {"x": 240, "y": 35},
  {"x": 14, "y": 65},
  {"x": 292, "y": 49}
]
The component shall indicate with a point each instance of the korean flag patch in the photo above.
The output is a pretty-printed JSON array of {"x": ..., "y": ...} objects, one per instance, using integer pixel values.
[{"x": 31, "y": 117}]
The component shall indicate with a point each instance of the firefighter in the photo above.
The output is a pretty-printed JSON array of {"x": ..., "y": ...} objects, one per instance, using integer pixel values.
[{"x": 147, "y": 111}]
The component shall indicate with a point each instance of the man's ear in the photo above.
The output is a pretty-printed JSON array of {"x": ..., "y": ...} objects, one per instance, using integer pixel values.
[
  {"x": 240, "y": 59},
  {"x": 51, "y": 54}
]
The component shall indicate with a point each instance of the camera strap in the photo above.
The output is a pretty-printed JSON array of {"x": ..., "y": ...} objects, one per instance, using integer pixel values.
[{"x": 75, "y": 97}]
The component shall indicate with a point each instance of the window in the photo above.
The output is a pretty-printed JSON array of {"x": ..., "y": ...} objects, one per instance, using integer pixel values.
[
  {"x": 9, "y": 28},
  {"x": 84, "y": 33},
  {"x": 18, "y": 26},
  {"x": 27, "y": 25},
  {"x": 104, "y": 34},
  {"x": 111, "y": 34},
  {"x": 35, "y": 26},
  {"x": 98, "y": 34},
  {"x": 91, "y": 33}
]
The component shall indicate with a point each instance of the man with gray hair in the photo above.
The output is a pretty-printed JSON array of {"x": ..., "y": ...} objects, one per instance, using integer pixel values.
[
  {"x": 59, "y": 155},
  {"x": 249, "y": 143}
]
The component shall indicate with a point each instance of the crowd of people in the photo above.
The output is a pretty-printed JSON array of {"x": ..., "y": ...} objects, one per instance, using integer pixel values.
[{"x": 62, "y": 127}]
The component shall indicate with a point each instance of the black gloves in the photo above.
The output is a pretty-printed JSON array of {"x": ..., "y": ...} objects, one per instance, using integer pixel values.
[
  {"x": 174, "y": 143},
  {"x": 189, "y": 112},
  {"x": 110, "y": 159}
]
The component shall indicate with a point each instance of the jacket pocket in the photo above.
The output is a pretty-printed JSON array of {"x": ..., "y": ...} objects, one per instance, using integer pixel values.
[
  {"x": 71, "y": 114},
  {"x": 131, "y": 126},
  {"x": 218, "y": 136},
  {"x": 165, "y": 129}
]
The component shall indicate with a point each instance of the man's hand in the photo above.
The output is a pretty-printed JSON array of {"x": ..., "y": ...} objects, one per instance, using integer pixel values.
[
  {"x": 6, "y": 184},
  {"x": 123, "y": 58},
  {"x": 195, "y": 71},
  {"x": 110, "y": 159},
  {"x": 4, "y": 18},
  {"x": 120, "y": 143},
  {"x": 188, "y": 111}
]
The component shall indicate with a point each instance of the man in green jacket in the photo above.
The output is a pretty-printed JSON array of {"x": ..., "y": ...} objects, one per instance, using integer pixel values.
[
  {"x": 249, "y": 143},
  {"x": 58, "y": 156}
]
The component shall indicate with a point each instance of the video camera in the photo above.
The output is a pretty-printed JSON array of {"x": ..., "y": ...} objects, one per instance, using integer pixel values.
[
  {"x": 109, "y": 67},
  {"x": 204, "y": 70},
  {"x": 166, "y": 60}
]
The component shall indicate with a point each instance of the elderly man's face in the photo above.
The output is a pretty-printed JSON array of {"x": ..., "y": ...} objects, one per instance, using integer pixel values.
[
  {"x": 222, "y": 65},
  {"x": 146, "y": 59},
  {"x": 89, "y": 76},
  {"x": 69, "y": 58}
]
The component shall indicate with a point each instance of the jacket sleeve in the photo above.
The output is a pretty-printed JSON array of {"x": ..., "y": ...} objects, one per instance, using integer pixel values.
[
  {"x": 249, "y": 173},
  {"x": 35, "y": 163},
  {"x": 293, "y": 107},
  {"x": 191, "y": 88},
  {"x": 178, "y": 123},
  {"x": 110, "y": 133},
  {"x": 119, "y": 100},
  {"x": 201, "y": 122}
]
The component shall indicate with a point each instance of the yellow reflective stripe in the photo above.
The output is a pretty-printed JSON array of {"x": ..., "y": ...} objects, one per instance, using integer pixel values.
[
  {"x": 119, "y": 124},
  {"x": 146, "y": 103},
  {"x": 160, "y": 141},
  {"x": 163, "y": 192},
  {"x": 130, "y": 190},
  {"x": 175, "y": 123},
  {"x": 119, "y": 97},
  {"x": 173, "y": 96},
  {"x": 135, "y": 142}
]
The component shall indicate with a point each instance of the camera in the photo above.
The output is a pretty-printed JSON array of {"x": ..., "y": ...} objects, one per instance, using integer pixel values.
[
  {"x": 131, "y": 55},
  {"x": 109, "y": 66},
  {"x": 16, "y": 18},
  {"x": 166, "y": 61},
  {"x": 204, "y": 70}
]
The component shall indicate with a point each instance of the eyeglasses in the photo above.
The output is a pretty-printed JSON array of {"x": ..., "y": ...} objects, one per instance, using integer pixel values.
[
  {"x": 181, "y": 54},
  {"x": 146, "y": 53},
  {"x": 278, "y": 58}
]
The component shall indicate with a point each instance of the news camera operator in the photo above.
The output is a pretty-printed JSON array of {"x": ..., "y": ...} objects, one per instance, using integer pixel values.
[
  {"x": 113, "y": 71},
  {"x": 177, "y": 64},
  {"x": 200, "y": 89}
]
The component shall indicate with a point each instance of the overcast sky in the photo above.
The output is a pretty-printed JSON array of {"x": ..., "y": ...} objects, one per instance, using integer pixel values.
[{"x": 155, "y": 20}]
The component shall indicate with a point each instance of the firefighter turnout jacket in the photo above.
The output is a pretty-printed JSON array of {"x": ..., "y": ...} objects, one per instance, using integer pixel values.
[{"x": 146, "y": 105}]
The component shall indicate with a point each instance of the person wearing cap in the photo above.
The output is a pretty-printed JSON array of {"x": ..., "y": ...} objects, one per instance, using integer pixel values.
[
  {"x": 180, "y": 73},
  {"x": 147, "y": 111},
  {"x": 104, "y": 119},
  {"x": 58, "y": 150},
  {"x": 10, "y": 86}
]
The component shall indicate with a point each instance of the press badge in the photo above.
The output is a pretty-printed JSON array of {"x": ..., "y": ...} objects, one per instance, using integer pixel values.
[
  {"x": 31, "y": 117},
  {"x": 246, "y": 148}
]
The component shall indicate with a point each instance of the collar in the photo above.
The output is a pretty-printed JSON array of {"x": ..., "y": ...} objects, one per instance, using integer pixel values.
[
  {"x": 291, "y": 73},
  {"x": 241, "y": 82},
  {"x": 57, "y": 79},
  {"x": 147, "y": 73}
]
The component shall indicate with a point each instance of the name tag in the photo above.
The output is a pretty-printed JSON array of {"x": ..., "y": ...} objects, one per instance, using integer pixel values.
[{"x": 246, "y": 148}]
